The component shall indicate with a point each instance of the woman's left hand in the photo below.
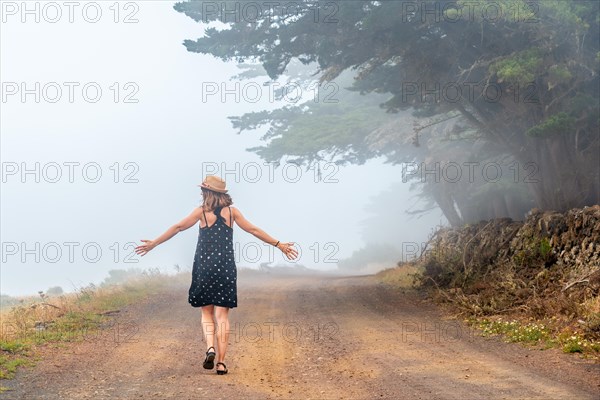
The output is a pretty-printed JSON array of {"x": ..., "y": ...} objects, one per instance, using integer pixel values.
[
  {"x": 145, "y": 248},
  {"x": 288, "y": 249}
]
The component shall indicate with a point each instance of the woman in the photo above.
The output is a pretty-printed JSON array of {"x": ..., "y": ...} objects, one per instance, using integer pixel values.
[{"x": 214, "y": 274}]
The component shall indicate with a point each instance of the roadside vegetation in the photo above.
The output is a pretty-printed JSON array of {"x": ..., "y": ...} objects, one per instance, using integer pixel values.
[
  {"x": 535, "y": 282},
  {"x": 54, "y": 318}
]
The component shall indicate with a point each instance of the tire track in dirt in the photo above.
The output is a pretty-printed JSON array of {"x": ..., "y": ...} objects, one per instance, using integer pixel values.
[
  {"x": 413, "y": 350},
  {"x": 309, "y": 337}
]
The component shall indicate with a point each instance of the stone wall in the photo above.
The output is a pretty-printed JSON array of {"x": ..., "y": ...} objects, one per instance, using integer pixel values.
[{"x": 545, "y": 266}]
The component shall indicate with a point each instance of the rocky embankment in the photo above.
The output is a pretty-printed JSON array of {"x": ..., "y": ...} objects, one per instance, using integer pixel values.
[{"x": 547, "y": 266}]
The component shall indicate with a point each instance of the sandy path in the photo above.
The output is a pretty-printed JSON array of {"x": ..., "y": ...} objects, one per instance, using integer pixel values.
[{"x": 304, "y": 337}]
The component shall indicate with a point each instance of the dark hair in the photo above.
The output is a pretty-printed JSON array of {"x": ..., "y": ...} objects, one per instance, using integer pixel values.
[{"x": 211, "y": 199}]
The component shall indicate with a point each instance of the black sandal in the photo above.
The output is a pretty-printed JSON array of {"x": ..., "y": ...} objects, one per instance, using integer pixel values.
[
  {"x": 222, "y": 372},
  {"x": 209, "y": 362}
]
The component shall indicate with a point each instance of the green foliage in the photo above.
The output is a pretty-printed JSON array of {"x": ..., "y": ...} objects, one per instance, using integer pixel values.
[
  {"x": 573, "y": 346},
  {"x": 8, "y": 366},
  {"x": 14, "y": 346},
  {"x": 335, "y": 125},
  {"x": 334, "y": 129},
  {"x": 570, "y": 13},
  {"x": 520, "y": 68},
  {"x": 537, "y": 333},
  {"x": 394, "y": 51},
  {"x": 559, "y": 73},
  {"x": 555, "y": 124},
  {"x": 535, "y": 251},
  {"x": 545, "y": 248},
  {"x": 573, "y": 342},
  {"x": 503, "y": 10},
  {"x": 514, "y": 331},
  {"x": 13, "y": 354}
]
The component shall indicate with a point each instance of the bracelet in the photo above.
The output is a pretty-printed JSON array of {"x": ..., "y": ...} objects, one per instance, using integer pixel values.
[{"x": 276, "y": 243}]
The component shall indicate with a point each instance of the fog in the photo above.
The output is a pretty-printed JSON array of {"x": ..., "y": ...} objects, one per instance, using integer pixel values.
[{"x": 84, "y": 176}]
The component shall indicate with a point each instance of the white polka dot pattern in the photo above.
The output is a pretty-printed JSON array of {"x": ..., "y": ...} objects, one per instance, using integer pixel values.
[{"x": 214, "y": 273}]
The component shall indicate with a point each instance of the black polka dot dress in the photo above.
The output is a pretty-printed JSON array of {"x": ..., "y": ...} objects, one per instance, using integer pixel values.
[{"x": 214, "y": 273}]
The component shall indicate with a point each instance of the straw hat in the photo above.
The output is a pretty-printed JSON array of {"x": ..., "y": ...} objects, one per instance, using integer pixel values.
[{"x": 214, "y": 183}]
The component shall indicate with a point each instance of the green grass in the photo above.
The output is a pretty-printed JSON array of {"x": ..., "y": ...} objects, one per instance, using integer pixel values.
[
  {"x": 4, "y": 389},
  {"x": 514, "y": 331},
  {"x": 77, "y": 317},
  {"x": 14, "y": 346},
  {"x": 13, "y": 354},
  {"x": 536, "y": 333},
  {"x": 574, "y": 343},
  {"x": 9, "y": 365}
]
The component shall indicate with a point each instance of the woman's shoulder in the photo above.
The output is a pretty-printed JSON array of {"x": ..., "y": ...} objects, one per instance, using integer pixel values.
[{"x": 205, "y": 209}]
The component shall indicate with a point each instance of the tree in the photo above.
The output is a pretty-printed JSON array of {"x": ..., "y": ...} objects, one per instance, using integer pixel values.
[
  {"x": 118, "y": 276},
  {"x": 354, "y": 128},
  {"x": 542, "y": 57},
  {"x": 54, "y": 291},
  {"x": 372, "y": 253}
]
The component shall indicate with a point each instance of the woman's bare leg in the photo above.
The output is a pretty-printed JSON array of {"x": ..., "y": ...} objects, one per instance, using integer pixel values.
[
  {"x": 222, "y": 317},
  {"x": 208, "y": 325}
]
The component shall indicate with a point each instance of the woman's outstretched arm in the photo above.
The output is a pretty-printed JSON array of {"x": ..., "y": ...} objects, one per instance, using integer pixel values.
[
  {"x": 182, "y": 225},
  {"x": 287, "y": 248}
]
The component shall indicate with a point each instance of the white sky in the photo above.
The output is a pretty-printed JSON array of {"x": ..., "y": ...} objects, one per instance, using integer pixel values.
[{"x": 168, "y": 135}]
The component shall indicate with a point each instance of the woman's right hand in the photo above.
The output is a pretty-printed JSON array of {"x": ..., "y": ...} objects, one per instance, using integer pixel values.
[
  {"x": 145, "y": 248},
  {"x": 288, "y": 249}
]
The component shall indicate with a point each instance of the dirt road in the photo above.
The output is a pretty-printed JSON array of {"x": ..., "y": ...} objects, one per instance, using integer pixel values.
[{"x": 303, "y": 337}]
